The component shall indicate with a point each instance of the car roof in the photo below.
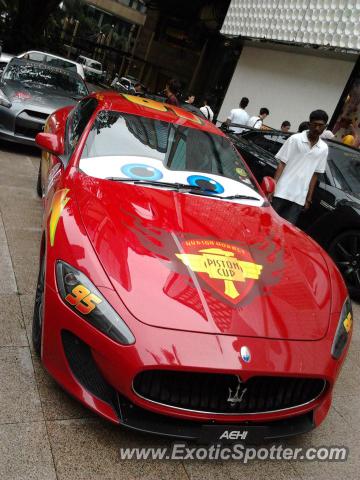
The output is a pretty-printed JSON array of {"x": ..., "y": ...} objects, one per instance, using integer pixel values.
[
  {"x": 330, "y": 142},
  {"x": 89, "y": 58},
  {"x": 135, "y": 105},
  {"x": 49, "y": 54},
  {"x": 45, "y": 66}
]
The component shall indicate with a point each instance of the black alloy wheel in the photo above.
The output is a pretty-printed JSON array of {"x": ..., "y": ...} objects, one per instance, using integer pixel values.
[
  {"x": 345, "y": 251},
  {"x": 38, "y": 309}
]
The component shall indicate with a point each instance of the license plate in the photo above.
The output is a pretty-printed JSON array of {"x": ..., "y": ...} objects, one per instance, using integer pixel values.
[{"x": 232, "y": 434}]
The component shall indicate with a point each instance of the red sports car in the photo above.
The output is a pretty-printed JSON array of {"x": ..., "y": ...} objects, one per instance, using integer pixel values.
[{"x": 171, "y": 297}]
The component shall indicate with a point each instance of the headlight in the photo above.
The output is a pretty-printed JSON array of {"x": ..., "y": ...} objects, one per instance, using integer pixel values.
[
  {"x": 4, "y": 101},
  {"x": 84, "y": 298},
  {"x": 343, "y": 329}
]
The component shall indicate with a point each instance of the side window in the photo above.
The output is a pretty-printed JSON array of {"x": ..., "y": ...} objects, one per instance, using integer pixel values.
[
  {"x": 270, "y": 143},
  {"x": 345, "y": 168},
  {"x": 76, "y": 123}
]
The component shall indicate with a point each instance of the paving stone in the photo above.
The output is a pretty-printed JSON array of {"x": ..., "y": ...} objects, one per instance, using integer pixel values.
[
  {"x": 19, "y": 397},
  {"x": 25, "y": 452}
]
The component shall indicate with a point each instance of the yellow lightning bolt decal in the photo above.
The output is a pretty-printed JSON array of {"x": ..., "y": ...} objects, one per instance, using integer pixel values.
[{"x": 57, "y": 206}]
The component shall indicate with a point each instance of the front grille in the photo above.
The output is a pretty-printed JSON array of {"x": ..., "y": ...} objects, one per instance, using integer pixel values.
[{"x": 224, "y": 394}]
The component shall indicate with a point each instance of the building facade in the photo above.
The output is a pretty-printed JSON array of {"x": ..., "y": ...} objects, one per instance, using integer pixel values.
[{"x": 296, "y": 56}]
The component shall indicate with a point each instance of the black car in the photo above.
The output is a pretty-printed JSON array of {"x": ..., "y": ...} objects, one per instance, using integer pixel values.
[{"x": 334, "y": 217}]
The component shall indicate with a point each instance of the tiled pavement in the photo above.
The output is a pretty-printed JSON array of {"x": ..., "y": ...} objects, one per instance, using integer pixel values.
[{"x": 45, "y": 434}]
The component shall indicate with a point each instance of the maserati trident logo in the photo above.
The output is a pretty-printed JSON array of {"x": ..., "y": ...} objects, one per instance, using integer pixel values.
[{"x": 238, "y": 396}]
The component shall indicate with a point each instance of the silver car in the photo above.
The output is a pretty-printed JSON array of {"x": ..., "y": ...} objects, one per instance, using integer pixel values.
[{"x": 29, "y": 93}]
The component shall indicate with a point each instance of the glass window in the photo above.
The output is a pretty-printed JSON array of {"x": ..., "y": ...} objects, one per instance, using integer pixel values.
[
  {"x": 344, "y": 164},
  {"x": 37, "y": 56},
  {"x": 31, "y": 74},
  {"x": 269, "y": 142},
  {"x": 77, "y": 121},
  {"x": 95, "y": 65},
  {"x": 179, "y": 148},
  {"x": 58, "y": 62}
]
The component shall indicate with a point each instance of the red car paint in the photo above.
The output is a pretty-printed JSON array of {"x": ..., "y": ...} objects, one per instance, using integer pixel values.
[{"x": 129, "y": 240}]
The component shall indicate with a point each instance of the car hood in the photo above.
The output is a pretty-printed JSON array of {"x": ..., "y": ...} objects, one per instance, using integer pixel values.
[
  {"x": 36, "y": 96},
  {"x": 193, "y": 263}
]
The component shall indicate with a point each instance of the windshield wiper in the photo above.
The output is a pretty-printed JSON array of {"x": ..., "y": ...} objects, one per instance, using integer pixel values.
[
  {"x": 242, "y": 197},
  {"x": 174, "y": 186},
  {"x": 195, "y": 189}
]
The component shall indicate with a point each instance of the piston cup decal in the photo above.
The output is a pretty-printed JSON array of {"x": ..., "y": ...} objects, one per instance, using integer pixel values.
[{"x": 228, "y": 269}]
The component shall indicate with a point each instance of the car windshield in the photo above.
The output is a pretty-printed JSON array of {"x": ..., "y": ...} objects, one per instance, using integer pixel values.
[
  {"x": 32, "y": 74},
  {"x": 344, "y": 164},
  {"x": 124, "y": 141},
  {"x": 58, "y": 62},
  {"x": 96, "y": 65}
]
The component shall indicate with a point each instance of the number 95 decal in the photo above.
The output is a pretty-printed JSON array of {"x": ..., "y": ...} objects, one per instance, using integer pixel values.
[{"x": 82, "y": 299}]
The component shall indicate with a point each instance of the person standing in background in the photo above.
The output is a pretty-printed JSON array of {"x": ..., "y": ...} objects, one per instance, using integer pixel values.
[
  {"x": 257, "y": 121},
  {"x": 172, "y": 91},
  {"x": 302, "y": 157},
  {"x": 285, "y": 126},
  {"x": 239, "y": 116},
  {"x": 190, "y": 98},
  {"x": 207, "y": 111}
]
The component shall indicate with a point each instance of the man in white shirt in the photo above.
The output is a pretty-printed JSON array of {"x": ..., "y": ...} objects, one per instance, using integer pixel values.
[
  {"x": 239, "y": 116},
  {"x": 207, "y": 111},
  {"x": 257, "y": 121},
  {"x": 302, "y": 157}
]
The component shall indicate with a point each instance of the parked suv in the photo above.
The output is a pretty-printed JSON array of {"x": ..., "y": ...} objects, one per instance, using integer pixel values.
[
  {"x": 54, "y": 61},
  {"x": 92, "y": 68}
]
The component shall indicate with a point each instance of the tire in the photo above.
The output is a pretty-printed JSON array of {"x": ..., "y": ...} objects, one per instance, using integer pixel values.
[
  {"x": 39, "y": 183},
  {"x": 345, "y": 251},
  {"x": 38, "y": 309}
]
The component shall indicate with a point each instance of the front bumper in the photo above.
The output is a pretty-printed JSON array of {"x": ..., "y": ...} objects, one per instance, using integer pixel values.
[
  {"x": 102, "y": 377},
  {"x": 21, "y": 126}
]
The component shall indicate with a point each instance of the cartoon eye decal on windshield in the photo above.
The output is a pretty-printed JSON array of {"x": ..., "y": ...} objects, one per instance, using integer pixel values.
[
  {"x": 140, "y": 171},
  {"x": 206, "y": 183}
]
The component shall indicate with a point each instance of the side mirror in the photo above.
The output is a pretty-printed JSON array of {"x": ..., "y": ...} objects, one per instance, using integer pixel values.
[
  {"x": 50, "y": 142},
  {"x": 268, "y": 185}
]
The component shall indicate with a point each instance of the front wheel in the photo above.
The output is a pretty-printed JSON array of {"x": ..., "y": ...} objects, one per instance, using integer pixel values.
[
  {"x": 345, "y": 251},
  {"x": 39, "y": 183},
  {"x": 39, "y": 309}
]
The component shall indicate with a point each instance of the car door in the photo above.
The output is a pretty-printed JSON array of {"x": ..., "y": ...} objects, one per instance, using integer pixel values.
[
  {"x": 330, "y": 212},
  {"x": 323, "y": 204}
]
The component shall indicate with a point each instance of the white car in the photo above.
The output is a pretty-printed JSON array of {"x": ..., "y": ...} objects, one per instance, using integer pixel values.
[
  {"x": 4, "y": 60},
  {"x": 54, "y": 60},
  {"x": 93, "y": 69}
]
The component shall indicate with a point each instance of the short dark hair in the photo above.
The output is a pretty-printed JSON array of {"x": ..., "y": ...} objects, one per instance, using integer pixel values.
[
  {"x": 244, "y": 102},
  {"x": 264, "y": 110},
  {"x": 174, "y": 85},
  {"x": 190, "y": 94},
  {"x": 303, "y": 126},
  {"x": 319, "y": 115},
  {"x": 286, "y": 123}
]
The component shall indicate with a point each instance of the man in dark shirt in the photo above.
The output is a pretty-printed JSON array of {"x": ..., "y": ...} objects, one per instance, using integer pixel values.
[{"x": 172, "y": 91}]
